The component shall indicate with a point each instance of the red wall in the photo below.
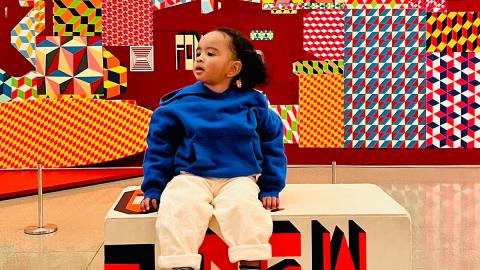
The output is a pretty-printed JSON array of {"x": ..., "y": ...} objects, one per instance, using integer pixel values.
[
  {"x": 463, "y": 5},
  {"x": 148, "y": 87}
]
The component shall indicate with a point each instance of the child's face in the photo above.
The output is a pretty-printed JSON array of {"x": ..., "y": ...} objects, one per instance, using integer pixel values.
[{"x": 215, "y": 63}]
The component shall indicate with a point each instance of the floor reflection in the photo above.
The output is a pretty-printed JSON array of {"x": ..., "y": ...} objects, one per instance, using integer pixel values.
[{"x": 445, "y": 223}]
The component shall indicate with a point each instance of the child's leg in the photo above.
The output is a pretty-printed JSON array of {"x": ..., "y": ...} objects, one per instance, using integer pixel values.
[
  {"x": 246, "y": 226},
  {"x": 183, "y": 217}
]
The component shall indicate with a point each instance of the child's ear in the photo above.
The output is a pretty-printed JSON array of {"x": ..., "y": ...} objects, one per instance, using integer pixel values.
[{"x": 235, "y": 68}]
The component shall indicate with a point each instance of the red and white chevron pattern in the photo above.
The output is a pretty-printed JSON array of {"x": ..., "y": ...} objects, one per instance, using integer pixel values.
[{"x": 323, "y": 34}]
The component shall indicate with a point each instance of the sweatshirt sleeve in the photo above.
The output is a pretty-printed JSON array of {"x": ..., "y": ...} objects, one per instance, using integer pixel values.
[
  {"x": 162, "y": 144},
  {"x": 274, "y": 165}
]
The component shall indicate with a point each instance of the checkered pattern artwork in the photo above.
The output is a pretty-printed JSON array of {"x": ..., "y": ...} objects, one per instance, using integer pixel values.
[
  {"x": 289, "y": 116},
  {"x": 70, "y": 65},
  {"x": 453, "y": 32},
  {"x": 74, "y": 132},
  {"x": 377, "y": 4},
  {"x": 321, "y": 110},
  {"x": 77, "y": 17},
  {"x": 385, "y": 78},
  {"x": 428, "y": 5},
  {"x": 453, "y": 100},
  {"x": 323, "y": 34},
  {"x": 24, "y": 33},
  {"x": 127, "y": 23}
]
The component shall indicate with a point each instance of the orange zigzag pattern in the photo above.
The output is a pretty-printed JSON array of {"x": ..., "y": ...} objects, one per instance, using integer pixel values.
[
  {"x": 321, "y": 111},
  {"x": 70, "y": 132}
]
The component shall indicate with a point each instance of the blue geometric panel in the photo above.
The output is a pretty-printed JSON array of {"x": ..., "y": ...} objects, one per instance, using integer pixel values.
[
  {"x": 23, "y": 34},
  {"x": 384, "y": 78}
]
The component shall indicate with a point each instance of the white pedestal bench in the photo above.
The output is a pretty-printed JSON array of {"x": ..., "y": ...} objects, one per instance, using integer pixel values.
[{"x": 322, "y": 227}]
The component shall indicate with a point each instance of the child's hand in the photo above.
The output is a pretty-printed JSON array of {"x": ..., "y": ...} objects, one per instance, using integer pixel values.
[
  {"x": 148, "y": 205},
  {"x": 270, "y": 203}
]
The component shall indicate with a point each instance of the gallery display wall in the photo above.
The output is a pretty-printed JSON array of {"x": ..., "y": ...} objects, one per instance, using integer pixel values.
[{"x": 358, "y": 82}]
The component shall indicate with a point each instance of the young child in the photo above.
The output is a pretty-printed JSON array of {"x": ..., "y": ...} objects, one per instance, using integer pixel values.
[{"x": 215, "y": 148}]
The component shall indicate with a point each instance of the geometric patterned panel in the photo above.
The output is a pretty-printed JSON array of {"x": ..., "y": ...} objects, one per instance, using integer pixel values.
[
  {"x": 70, "y": 132},
  {"x": 453, "y": 100},
  {"x": 318, "y": 67},
  {"x": 70, "y": 65},
  {"x": 377, "y": 4},
  {"x": 286, "y": 5},
  {"x": 323, "y": 34},
  {"x": 453, "y": 32},
  {"x": 53, "y": 96},
  {"x": 283, "y": 11},
  {"x": 23, "y": 36},
  {"x": 141, "y": 58},
  {"x": 384, "y": 78},
  {"x": 428, "y": 5},
  {"x": 127, "y": 23},
  {"x": 289, "y": 116},
  {"x": 5, "y": 90},
  {"x": 24, "y": 33},
  {"x": 77, "y": 18},
  {"x": 18, "y": 88},
  {"x": 321, "y": 110},
  {"x": 115, "y": 75},
  {"x": 26, "y": 3},
  {"x": 161, "y": 4},
  {"x": 261, "y": 35},
  {"x": 39, "y": 7},
  {"x": 207, "y": 6}
]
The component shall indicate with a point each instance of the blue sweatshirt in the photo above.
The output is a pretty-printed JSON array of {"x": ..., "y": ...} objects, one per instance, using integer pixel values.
[{"x": 225, "y": 135}]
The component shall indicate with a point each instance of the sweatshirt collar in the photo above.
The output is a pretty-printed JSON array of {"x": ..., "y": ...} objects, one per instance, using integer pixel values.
[{"x": 197, "y": 88}]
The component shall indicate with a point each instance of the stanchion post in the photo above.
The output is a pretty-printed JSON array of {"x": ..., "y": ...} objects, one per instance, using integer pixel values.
[
  {"x": 40, "y": 195},
  {"x": 40, "y": 229},
  {"x": 334, "y": 172}
]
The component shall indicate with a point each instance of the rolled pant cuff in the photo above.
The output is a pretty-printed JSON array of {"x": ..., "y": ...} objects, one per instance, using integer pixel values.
[
  {"x": 250, "y": 253},
  {"x": 185, "y": 260}
]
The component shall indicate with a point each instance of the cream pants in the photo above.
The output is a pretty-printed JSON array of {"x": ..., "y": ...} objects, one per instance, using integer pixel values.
[{"x": 186, "y": 206}]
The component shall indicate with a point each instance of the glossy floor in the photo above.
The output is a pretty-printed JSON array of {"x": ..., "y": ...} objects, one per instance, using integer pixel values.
[{"x": 444, "y": 204}]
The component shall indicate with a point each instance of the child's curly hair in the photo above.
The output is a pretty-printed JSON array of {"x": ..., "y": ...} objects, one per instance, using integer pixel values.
[{"x": 254, "y": 70}]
